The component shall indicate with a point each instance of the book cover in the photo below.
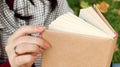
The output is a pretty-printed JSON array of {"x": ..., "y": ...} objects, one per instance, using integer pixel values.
[{"x": 85, "y": 41}]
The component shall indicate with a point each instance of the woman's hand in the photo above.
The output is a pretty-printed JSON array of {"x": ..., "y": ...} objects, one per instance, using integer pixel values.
[{"x": 22, "y": 49}]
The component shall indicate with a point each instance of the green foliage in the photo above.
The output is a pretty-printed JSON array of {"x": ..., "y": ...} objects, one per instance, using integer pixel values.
[
  {"x": 111, "y": 15},
  {"x": 75, "y": 5}
]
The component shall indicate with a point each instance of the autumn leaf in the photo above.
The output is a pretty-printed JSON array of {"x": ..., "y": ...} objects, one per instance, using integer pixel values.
[
  {"x": 103, "y": 6},
  {"x": 119, "y": 12}
]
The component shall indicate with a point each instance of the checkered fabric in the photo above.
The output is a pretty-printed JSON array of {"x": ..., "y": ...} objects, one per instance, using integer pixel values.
[{"x": 41, "y": 16}]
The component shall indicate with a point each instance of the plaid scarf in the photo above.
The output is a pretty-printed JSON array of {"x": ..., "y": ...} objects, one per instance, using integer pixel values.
[{"x": 25, "y": 8}]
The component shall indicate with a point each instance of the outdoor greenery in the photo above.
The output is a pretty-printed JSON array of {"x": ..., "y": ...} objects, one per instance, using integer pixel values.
[{"x": 110, "y": 9}]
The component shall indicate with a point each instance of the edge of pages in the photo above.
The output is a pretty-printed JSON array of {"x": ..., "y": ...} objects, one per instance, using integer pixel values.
[
  {"x": 91, "y": 22},
  {"x": 101, "y": 18}
]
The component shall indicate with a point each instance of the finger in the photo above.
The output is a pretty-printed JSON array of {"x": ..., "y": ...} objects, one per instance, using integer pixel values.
[
  {"x": 34, "y": 40},
  {"x": 25, "y": 59},
  {"x": 25, "y": 30},
  {"x": 28, "y": 48},
  {"x": 47, "y": 43}
]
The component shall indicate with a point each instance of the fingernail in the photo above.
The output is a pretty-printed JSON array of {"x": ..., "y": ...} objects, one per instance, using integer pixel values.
[
  {"x": 47, "y": 45},
  {"x": 41, "y": 50}
]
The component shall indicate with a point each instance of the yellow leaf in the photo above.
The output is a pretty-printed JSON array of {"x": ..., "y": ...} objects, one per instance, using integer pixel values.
[
  {"x": 103, "y": 6},
  {"x": 119, "y": 12}
]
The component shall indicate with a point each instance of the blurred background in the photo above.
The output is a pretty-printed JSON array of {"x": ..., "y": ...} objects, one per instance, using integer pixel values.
[{"x": 111, "y": 11}]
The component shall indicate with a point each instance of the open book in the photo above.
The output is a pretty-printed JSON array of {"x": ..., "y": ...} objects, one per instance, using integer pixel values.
[
  {"x": 90, "y": 22},
  {"x": 85, "y": 41}
]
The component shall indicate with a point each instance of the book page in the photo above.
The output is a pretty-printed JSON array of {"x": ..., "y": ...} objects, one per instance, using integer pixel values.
[
  {"x": 71, "y": 23},
  {"x": 103, "y": 18},
  {"x": 90, "y": 16}
]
